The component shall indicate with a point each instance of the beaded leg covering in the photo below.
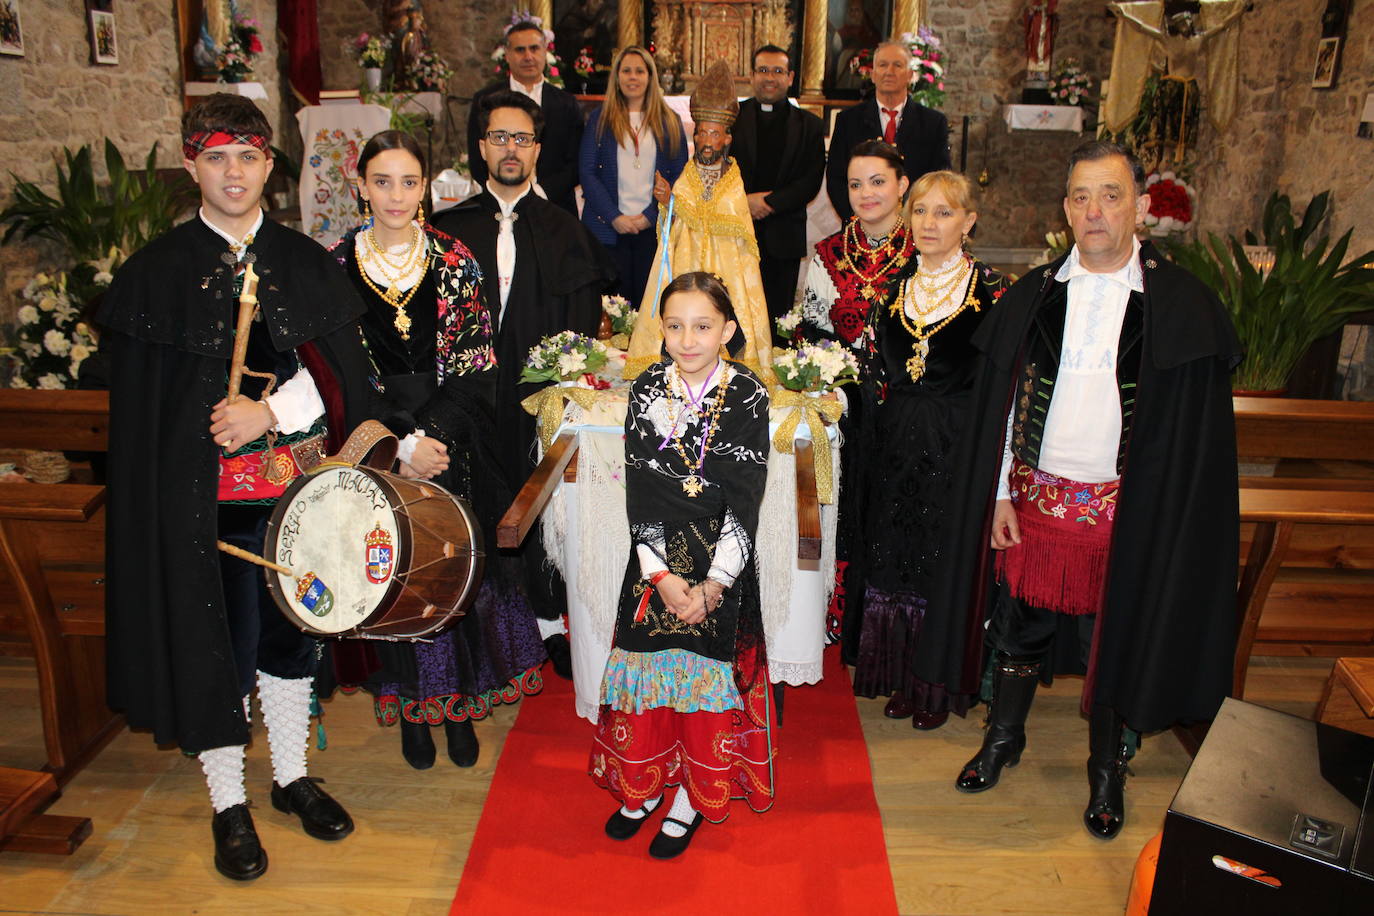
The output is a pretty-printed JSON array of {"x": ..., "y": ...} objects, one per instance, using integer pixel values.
[
  {"x": 223, "y": 767},
  {"x": 286, "y": 713}
]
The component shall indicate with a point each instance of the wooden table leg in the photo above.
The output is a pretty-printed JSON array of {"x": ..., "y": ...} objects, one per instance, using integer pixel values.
[{"x": 1262, "y": 564}]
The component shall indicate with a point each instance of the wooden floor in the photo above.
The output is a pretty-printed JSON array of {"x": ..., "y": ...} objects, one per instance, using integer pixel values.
[{"x": 1017, "y": 849}]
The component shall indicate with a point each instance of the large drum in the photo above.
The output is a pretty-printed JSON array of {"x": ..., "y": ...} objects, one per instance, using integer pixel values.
[{"x": 372, "y": 555}]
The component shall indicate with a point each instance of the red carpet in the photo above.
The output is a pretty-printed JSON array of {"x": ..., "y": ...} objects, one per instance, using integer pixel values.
[{"x": 540, "y": 845}]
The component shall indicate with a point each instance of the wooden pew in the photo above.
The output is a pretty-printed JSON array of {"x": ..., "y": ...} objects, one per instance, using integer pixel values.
[{"x": 52, "y": 547}]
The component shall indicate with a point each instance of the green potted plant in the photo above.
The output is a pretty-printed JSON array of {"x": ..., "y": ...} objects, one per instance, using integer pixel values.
[{"x": 1281, "y": 311}]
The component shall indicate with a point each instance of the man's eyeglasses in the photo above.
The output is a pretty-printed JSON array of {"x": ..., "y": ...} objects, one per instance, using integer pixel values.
[
  {"x": 502, "y": 137},
  {"x": 773, "y": 71}
]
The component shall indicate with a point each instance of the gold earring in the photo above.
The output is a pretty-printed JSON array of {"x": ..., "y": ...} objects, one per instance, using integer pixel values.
[
  {"x": 420, "y": 214},
  {"x": 963, "y": 243},
  {"x": 367, "y": 208}
]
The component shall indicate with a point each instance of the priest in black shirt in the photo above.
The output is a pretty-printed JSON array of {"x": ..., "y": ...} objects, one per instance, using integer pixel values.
[{"x": 781, "y": 154}]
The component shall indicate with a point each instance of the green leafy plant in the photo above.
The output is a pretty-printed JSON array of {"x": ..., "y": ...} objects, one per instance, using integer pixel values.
[
  {"x": 1279, "y": 313},
  {"x": 88, "y": 218}
]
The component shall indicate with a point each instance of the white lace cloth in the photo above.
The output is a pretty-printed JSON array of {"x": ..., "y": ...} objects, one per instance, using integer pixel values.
[{"x": 592, "y": 559}]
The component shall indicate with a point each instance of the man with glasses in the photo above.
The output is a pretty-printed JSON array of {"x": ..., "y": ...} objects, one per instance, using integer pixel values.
[
  {"x": 920, "y": 134},
  {"x": 781, "y": 154},
  {"x": 556, "y": 175},
  {"x": 543, "y": 273}
]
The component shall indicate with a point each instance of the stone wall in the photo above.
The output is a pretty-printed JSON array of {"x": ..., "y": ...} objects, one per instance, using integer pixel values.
[{"x": 55, "y": 97}]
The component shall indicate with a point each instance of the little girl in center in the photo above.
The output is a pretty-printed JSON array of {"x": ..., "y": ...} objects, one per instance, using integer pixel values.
[{"x": 684, "y": 699}]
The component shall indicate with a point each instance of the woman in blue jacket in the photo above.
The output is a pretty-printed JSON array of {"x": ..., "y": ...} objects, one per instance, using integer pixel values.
[{"x": 630, "y": 138}]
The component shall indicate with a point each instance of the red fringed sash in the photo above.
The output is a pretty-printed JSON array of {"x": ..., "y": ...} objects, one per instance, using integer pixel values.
[{"x": 1066, "y": 537}]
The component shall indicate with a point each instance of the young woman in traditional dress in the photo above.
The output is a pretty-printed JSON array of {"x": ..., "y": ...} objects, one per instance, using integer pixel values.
[
  {"x": 915, "y": 400},
  {"x": 685, "y": 697},
  {"x": 628, "y": 140},
  {"x": 852, "y": 276},
  {"x": 429, "y": 335}
]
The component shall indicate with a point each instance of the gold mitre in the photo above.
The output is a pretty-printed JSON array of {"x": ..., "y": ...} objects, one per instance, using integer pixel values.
[{"x": 714, "y": 99}]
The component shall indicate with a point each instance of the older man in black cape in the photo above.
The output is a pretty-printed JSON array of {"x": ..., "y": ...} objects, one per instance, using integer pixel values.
[{"x": 1151, "y": 620}]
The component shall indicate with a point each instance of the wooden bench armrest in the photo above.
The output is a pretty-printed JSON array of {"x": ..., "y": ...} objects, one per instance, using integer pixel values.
[
  {"x": 72, "y": 420},
  {"x": 52, "y": 502},
  {"x": 1311, "y": 506},
  {"x": 808, "y": 507},
  {"x": 534, "y": 495}
]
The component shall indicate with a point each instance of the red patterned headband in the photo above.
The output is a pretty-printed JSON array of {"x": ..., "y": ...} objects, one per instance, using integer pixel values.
[{"x": 197, "y": 143}]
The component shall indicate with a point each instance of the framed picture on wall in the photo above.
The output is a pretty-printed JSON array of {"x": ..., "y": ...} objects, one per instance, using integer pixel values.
[
  {"x": 11, "y": 34},
  {"x": 1328, "y": 55},
  {"x": 104, "y": 48}
]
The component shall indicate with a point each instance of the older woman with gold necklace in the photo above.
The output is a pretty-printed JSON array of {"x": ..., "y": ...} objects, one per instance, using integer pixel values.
[
  {"x": 916, "y": 398},
  {"x": 430, "y": 339}
]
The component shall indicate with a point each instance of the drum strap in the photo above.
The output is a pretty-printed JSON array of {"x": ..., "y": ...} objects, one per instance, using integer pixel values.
[{"x": 371, "y": 445}]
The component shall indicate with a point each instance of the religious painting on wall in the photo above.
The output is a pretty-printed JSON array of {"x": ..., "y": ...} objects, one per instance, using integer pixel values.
[
  {"x": 1324, "y": 71},
  {"x": 585, "y": 34},
  {"x": 11, "y": 33},
  {"x": 853, "y": 26},
  {"x": 100, "y": 15}
]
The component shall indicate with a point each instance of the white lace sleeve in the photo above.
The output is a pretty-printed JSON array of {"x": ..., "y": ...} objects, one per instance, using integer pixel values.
[
  {"x": 1004, "y": 475},
  {"x": 819, "y": 296},
  {"x": 296, "y": 403}
]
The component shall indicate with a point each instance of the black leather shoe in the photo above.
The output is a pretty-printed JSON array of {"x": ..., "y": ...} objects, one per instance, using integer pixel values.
[
  {"x": 417, "y": 745},
  {"x": 1001, "y": 748},
  {"x": 462, "y": 742},
  {"x": 321, "y": 816},
  {"x": 560, "y": 653},
  {"x": 238, "y": 854},
  {"x": 670, "y": 847},
  {"x": 620, "y": 827}
]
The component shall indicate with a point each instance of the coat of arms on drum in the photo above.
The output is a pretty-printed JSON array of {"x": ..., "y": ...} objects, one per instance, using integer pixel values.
[
  {"x": 313, "y": 593},
  {"x": 378, "y": 555}
]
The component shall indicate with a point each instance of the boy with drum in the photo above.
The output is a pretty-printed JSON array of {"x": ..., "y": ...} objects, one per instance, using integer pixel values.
[{"x": 189, "y": 629}]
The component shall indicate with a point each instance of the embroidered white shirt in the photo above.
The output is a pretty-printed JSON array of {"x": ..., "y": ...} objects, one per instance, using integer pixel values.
[
  {"x": 1083, "y": 427},
  {"x": 505, "y": 246}
]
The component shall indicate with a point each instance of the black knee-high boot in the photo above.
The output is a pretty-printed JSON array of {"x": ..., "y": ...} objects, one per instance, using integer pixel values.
[
  {"x": 1013, "y": 688},
  {"x": 1106, "y": 810}
]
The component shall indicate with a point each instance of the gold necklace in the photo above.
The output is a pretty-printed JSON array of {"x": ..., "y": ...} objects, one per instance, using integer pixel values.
[
  {"x": 693, "y": 483},
  {"x": 916, "y": 365},
  {"x": 887, "y": 249},
  {"x": 410, "y": 261},
  {"x": 392, "y": 296},
  {"x": 403, "y": 262},
  {"x": 940, "y": 293}
]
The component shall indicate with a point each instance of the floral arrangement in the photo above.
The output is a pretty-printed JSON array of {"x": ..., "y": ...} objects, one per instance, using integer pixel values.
[
  {"x": 431, "y": 73},
  {"x": 787, "y": 322},
  {"x": 816, "y": 366},
  {"x": 563, "y": 357},
  {"x": 51, "y": 341},
  {"x": 585, "y": 65},
  {"x": 551, "y": 61},
  {"x": 1171, "y": 203},
  {"x": 1069, "y": 83},
  {"x": 927, "y": 78},
  {"x": 622, "y": 314},
  {"x": 236, "y": 61},
  {"x": 370, "y": 50}
]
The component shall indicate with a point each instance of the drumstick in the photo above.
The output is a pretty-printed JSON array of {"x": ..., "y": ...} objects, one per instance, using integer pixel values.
[
  {"x": 253, "y": 558},
  {"x": 248, "y": 304}
]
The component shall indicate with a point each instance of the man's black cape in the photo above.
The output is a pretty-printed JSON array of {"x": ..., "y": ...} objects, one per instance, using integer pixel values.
[
  {"x": 1167, "y": 632},
  {"x": 167, "y": 322}
]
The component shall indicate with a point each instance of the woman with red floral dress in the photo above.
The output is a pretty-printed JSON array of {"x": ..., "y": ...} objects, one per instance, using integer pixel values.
[{"x": 852, "y": 276}]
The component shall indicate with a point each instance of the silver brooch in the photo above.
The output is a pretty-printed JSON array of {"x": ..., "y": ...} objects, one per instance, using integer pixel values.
[{"x": 1150, "y": 263}]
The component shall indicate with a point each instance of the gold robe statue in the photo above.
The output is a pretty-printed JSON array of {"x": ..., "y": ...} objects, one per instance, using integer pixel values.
[{"x": 715, "y": 235}]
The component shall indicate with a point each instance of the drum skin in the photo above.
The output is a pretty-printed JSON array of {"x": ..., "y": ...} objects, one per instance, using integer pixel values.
[{"x": 375, "y": 555}]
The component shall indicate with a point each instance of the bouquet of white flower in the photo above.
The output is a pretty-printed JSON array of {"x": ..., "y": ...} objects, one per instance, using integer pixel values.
[
  {"x": 51, "y": 342},
  {"x": 622, "y": 315},
  {"x": 564, "y": 357},
  {"x": 819, "y": 366}
]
